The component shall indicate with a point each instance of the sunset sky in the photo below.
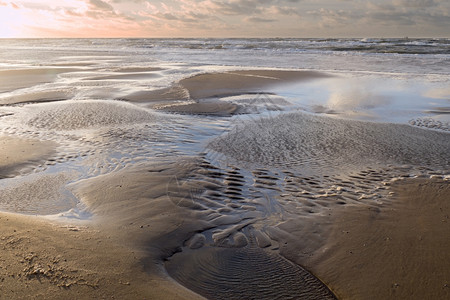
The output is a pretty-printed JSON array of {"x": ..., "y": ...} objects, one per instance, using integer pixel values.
[{"x": 225, "y": 18}]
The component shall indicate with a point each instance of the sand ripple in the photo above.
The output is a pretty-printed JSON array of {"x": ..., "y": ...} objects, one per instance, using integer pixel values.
[
  {"x": 244, "y": 273},
  {"x": 37, "y": 194},
  {"x": 71, "y": 115},
  {"x": 331, "y": 145}
]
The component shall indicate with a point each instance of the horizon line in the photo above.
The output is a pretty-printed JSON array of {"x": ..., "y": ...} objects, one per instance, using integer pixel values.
[{"x": 220, "y": 38}]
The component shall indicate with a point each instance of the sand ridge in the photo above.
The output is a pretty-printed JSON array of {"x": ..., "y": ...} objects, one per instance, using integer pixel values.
[{"x": 322, "y": 142}]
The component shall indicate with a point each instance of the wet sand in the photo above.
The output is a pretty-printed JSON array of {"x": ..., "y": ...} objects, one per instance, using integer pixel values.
[
  {"x": 45, "y": 260},
  {"x": 33, "y": 97},
  {"x": 201, "y": 94},
  {"x": 216, "y": 108},
  {"x": 244, "y": 81},
  {"x": 300, "y": 208},
  {"x": 399, "y": 251},
  {"x": 11, "y": 80},
  {"x": 19, "y": 153},
  {"x": 396, "y": 251},
  {"x": 116, "y": 255}
]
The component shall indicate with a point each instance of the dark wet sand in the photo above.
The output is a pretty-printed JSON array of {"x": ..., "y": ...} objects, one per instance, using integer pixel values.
[
  {"x": 399, "y": 251},
  {"x": 248, "y": 272}
]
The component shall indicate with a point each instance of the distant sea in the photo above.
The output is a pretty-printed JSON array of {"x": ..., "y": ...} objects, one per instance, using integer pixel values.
[{"x": 394, "y": 55}]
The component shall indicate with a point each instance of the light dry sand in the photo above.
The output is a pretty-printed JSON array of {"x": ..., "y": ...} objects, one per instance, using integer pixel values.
[
  {"x": 18, "y": 153},
  {"x": 399, "y": 251}
]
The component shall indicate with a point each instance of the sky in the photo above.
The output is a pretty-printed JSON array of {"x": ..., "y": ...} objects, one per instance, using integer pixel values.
[{"x": 224, "y": 18}]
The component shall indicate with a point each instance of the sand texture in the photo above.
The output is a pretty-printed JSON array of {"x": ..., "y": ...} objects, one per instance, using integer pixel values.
[
  {"x": 11, "y": 80},
  {"x": 133, "y": 181},
  {"x": 71, "y": 115},
  {"x": 244, "y": 272},
  {"x": 17, "y": 154},
  {"x": 322, "y": 142},
  {"x": 41, "y": 260},
  {"x": 214, "y": 87},
  {"x": 239, "y": 82},
  {"x": 396, "y": 252}
]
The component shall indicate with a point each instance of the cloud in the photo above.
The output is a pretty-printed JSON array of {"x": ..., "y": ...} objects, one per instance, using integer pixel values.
[
  {"x": 331, "y": 18},
  {"x": 382, "y": 18},
  {"x": 260, "y": 20},
  {"x": 243, "y": 17},
  {"x": 428, "y": 13},
  {"x": 101, "y": 5},
  {"x": 416, "y": 3},
  {"x": 237, "y": 7},
  {"x": 12, "y": 4}
]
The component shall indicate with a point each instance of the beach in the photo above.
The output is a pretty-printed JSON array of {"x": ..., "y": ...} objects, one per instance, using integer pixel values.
[
  {"x": 362, "y": 255},
  {"x": 138, "y": 174},
  {"x": 396, "y": 252}
]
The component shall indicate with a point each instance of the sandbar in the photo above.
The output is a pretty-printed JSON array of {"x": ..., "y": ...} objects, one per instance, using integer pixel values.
[
  {"x": 242, "y": 81},
  {"x": 213, "y": 86},
  {"x": 11, "y": 80}
]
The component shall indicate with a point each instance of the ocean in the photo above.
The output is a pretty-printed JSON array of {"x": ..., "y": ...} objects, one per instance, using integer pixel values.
[{"x": 404, "y": 55}]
